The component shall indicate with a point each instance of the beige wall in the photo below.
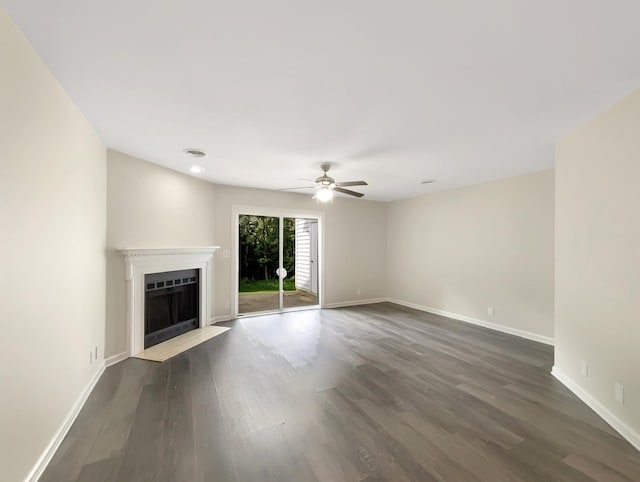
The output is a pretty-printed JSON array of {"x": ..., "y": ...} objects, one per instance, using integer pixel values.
[
  {"x": 464, "y": 250},
  {"x": 52, "y": 239},
  {"x": 598, "y": 257},
  {"x": 150, "y": 206}
]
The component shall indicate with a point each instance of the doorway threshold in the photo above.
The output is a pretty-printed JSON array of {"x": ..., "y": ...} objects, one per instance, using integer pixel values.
[{"x": 277, "y": 312}]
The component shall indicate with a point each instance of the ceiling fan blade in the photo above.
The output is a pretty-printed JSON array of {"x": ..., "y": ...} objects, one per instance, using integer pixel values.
[
  {"x": 303, "y": 179},
  {"x": 348, "y": 191},
  {"x": 298, "y": 187},
  {"x": 351, "y": 183}
]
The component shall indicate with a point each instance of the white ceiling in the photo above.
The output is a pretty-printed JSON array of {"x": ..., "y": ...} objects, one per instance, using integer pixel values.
[{"x": 389, "y": 91}]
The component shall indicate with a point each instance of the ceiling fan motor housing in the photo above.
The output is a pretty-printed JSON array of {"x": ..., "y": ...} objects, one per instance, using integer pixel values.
[{"x": 325, "y": 180}]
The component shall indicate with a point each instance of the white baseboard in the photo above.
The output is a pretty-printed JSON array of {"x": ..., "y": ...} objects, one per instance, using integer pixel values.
[
  {"x": 57, "y": 439},
  {"x": 618, "y": 425},
  {"x": 475, "y": 321},
  {"x": 117, "y": 358},
  {"x": 219, "y": 319},
  {"x": 341, "y": 304}
]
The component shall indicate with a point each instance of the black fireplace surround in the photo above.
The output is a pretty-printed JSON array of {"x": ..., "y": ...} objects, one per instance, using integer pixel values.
[{"x": 171, "y": 304}]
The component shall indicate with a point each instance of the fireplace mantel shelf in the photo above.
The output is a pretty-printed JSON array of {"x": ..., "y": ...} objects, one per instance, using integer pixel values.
[{"x": 138, "y": 252}]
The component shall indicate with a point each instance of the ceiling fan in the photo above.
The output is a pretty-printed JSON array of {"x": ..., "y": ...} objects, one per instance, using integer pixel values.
[{"x": 326, "y": 186}]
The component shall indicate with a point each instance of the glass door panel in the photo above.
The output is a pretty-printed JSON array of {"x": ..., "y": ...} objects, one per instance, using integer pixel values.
[
  {"x": 259, "y": 259},
  {"x": 300, "y": 260}
]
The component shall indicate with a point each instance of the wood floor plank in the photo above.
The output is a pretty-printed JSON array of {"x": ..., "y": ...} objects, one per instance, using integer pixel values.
[
  {"x": 177, "y": 449},
  {"x": 594, "y": 469},
  {"x": 142, "y": 457},
  {"x": 105, "y": 470},
  {"x": 114, "y": 432},
  {"x": 213, "y": 460},
  {"x": 368, "y": 393}
]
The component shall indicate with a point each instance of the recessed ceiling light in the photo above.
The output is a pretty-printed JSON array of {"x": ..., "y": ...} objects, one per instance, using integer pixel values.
[
  {"x": 195, "y": 153},
  {"x": 427, "y": 181},
  {"x": 196, "y": 169}
]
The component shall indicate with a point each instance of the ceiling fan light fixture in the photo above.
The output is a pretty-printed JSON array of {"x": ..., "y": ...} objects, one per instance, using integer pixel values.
[
  {"x": 325, "y": 186},
  {"x": 324, "y": 195}
]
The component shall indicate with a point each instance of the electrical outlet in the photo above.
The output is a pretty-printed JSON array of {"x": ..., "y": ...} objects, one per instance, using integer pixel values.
[
  {"x": 358, "y": 292},
  {"x": 584, "y": 369},
  {"x": 618, "y": 393},
  {"x": 490, "y": 311},
  {"x": 226, "y": 253},
  {"x": 95, "y": 353},
  {"x": 227, "y": 305}
]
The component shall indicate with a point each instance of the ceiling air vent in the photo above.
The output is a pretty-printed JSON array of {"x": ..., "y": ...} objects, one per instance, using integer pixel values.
[{"x": 194, "y": 153}]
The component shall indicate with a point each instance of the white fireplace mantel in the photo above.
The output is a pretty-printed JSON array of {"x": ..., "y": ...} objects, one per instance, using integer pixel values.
[{"x": 140, "y": 262}]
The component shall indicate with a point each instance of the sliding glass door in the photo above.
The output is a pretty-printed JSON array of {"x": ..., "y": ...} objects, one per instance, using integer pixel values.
[{"x": 277, "y": 263}]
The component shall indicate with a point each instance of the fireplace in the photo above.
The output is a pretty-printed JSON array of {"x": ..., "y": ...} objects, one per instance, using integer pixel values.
[{"x": 170, "y": 305}]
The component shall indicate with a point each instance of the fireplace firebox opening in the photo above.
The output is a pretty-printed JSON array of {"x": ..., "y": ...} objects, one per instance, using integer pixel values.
[{"x": 171, "y": 305}]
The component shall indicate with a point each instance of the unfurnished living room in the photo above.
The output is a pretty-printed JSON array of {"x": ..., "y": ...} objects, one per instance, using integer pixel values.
[{"x": 320, "y": 241}]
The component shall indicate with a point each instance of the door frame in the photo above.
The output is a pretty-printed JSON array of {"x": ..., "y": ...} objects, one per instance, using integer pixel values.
[
  {"x": 236, "y": 211},
  {"x": 314, "y": 248}
]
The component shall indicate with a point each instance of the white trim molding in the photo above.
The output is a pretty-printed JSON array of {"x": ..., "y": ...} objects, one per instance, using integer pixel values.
[
  {"x": 54, "y": 444},
  {"x": 140, "y": 262},
  {"x": 341, "y": 304},
  {"x": 603, "y": 412},
  {"x": 156, "y": 252},
  {"x": 475, "y": 321},
  {"x": 220, "y": 319},
  {"x": 117, "y": 358}
]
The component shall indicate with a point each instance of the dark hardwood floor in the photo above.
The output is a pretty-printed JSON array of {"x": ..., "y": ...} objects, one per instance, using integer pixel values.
[{"x": 369, "y": 393}]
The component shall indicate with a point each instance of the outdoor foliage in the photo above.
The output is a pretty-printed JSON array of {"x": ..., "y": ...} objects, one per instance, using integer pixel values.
[
  {"x": 248, "y": 286},
  {"x": 258, "y": 244}
]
